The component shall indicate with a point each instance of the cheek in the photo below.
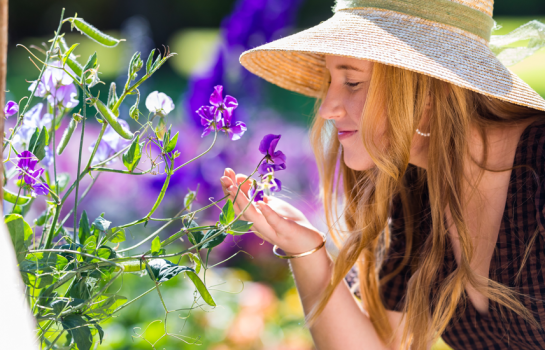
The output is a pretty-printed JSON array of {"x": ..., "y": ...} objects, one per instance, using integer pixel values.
[{"x": 354, "y": 105}]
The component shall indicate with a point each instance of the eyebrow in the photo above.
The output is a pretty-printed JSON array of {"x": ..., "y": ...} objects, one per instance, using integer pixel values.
[{"x": 348, "y": 67}]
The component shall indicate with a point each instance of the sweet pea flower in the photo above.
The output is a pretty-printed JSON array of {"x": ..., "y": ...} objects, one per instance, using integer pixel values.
[
  {"x": 26, "y": 164},
  {"x": 222, "y": 106},
  {"x": 41, "y": 189},
  {"x": 265, "y": 187},
  {"x": 274, "y": 160},
  {"x": 159, "y": 103},
  {"x": 57, "y": 86},
  {"x": 36, "y": 117},
  {"x": 222, "y": 112},
  {"x": 11, "y": 108},
  {"x": 111, "y": 143}
]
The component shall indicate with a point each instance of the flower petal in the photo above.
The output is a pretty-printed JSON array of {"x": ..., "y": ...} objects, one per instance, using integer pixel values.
[
  {"x": 152, "y": 102},
  {"x": 11, "y": 108},
  {"x": 266, "y": 142},
  {"x": 230, "y": 102},
  {"x": 216, "y": 99},
  {"x": 236, "y": 131}
]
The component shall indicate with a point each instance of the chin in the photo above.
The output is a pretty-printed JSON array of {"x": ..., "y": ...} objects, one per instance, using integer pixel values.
[{"x": 358, "y": 162}]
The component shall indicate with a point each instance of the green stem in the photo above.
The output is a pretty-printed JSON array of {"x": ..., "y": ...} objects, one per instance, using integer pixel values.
[
  {"x": 53, "y": 226},
  {"x": 202, "y": 154},
  {"x": 99, "y": 139},
  {"x": 16, "y": 200},
  {"x": 76, "y": 200},
  {"x": 120, "y": 171}
]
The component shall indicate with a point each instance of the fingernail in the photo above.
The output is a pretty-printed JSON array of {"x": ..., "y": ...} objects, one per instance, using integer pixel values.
[{"x": 230, "y": 188}]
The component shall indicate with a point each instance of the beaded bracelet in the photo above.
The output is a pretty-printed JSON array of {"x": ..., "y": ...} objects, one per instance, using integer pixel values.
[{"x": 299, "y": 255}]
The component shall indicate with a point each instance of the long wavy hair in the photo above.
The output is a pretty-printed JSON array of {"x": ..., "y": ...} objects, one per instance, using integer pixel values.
[{"x": 400, "y": 96}]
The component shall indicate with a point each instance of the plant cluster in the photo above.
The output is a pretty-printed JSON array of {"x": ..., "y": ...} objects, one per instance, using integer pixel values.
[{"x": 68, "y": 271}]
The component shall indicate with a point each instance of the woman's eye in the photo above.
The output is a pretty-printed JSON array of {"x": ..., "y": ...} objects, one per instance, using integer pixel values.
[{"x": 350, "y": 84}]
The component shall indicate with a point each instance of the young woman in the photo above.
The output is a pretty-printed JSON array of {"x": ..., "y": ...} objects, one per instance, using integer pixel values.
[{"x": 438, "y": 154}]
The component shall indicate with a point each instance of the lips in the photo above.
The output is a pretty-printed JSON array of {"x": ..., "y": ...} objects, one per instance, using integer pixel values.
[{"x": 343, "y": 134}]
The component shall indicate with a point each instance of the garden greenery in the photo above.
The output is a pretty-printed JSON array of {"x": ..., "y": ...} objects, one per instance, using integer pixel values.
[{"x": 68, "y": 271}]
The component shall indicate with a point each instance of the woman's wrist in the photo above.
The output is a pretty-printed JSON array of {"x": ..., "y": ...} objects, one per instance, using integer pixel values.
[{"x": 298, "y": 247}]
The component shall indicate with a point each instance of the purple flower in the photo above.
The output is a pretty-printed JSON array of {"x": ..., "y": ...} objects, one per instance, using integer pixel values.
[
  {"x": 159, "y": 103},
  {"x": 222, "y": 111},
  {"x": 57, "y": 86},
  {"x": 36, "y": 117},
  {"x": 11, "y": 108},
  {"x": 111, "y": 143},
  {"x": 48, "y": 158},
  {"x": 27, "y": 164},
  {"x": 207, "y": 117},
  {"x": 222, "y": 106},
  {"x": 258, "y": 197},
  {"x": 65, "y": 96},
  {"x": 265, "y": 187},
  {"x": 41, "y": 189},
  {"x": 277, "y": 158}
]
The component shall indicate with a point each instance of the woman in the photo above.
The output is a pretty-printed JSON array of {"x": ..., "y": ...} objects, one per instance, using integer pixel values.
[{"x": 438, "y": 152}]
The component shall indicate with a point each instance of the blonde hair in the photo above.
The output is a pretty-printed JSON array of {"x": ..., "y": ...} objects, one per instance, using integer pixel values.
[{"x": 399, "y": 97}]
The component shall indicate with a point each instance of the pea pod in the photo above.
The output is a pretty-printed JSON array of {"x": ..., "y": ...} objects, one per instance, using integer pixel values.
[
  {"x": 132, "y": 265},
  {"x": 93, "y": 33},
  {"x": 66, "y": 136},
  {"x": 110, "y": 117},
  {"x": 12, "y": 197}
]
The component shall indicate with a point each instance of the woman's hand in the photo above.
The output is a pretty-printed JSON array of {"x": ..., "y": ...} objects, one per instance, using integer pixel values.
[{"x": 274, "y": 220}]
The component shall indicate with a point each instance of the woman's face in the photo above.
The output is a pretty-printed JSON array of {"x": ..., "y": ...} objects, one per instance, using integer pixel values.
[{"x": 346, "y": 96}]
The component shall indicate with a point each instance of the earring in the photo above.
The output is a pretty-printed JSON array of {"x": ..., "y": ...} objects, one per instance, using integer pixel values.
[{"x": 422, "y": 134}]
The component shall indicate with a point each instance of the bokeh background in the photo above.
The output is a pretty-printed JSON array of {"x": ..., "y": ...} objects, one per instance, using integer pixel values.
[{"x": 258, "y": 304}]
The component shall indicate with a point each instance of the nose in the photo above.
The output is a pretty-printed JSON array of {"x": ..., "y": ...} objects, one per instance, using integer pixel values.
[{"x": 332, "y": 106}]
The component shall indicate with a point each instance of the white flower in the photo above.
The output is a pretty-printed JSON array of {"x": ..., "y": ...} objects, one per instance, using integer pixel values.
[{"x": 159, "y": 103}]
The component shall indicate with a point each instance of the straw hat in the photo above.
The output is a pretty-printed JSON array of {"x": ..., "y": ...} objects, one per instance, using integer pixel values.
[{"x": 445, "y": 39}]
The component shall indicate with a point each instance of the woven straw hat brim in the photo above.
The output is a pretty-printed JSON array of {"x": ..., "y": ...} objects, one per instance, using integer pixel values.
[{"x": 297, "y": 62}]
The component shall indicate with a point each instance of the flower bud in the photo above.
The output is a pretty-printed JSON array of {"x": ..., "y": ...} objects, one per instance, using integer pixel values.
[{"x": 134, "y": 112}]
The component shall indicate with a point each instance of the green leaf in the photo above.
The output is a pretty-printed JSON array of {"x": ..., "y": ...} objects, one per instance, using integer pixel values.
[
  {"x": 227, "y": 213},
  {"x": 100, "y": 223},
  {"x": 38, "y": 141},
  {"x": 155, "y": 245},
  {"x": 215, "y": 241},
  {"x": 75, "y": 325},
  {"x": 12, "y": 197},
  {"x": 150, "y": 61},
  {"x": 195, "y": 237},
  {"x": 189, "y": 199},
  {"x": 115, "y": 235},
  {"x": 172, "y": 143},
  {"x": 133, "y": 154},
  {"x": 205, "y": 294},
  {"x": 197, "y": 260},
  {"x": 91, "y": 62},
  {"x": 67, "y": 53},
  {"x": 84, "y": 230},
  {"x": 240, "y": 227},
  {"x": 163, "y": 270},
  {"x": 61, "y": 262},
  {"x": 63, "y": 179},
  {"x": 90, "y": 244},
  {"x": 21, "y": 234},
  {"x": 106, "y": 252},
  {"x": 112, "y": 96}
]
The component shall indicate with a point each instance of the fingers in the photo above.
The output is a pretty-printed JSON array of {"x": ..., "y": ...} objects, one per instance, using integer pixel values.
[
  {"x": 278, "y": 223},
  {"x": 247, "y": 185}
]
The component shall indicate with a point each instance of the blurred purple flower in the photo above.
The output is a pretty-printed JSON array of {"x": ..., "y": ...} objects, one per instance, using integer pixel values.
[
  {"x": 36, "y": 117},
  {"x": 111, "y": 144},
  {"x": 11, "y": 108},
  {"x": 266, "y": 186},
  {"x": 159, "y": 103},
  {"x": 259, "y": 195},
  {"x": 57, "y": 86},
  {"x": 41, "y": 189},
  {"x": 65, "y": 96},
  {"x": 267, "y": 147},
  {"x": 48, "y": 159}
]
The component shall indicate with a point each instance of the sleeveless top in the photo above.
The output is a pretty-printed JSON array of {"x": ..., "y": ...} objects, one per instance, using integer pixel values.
[{"x": 524, "y": 214}]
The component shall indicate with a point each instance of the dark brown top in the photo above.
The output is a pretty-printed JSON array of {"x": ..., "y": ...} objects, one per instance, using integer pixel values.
[{"x": 524, "y": 213}]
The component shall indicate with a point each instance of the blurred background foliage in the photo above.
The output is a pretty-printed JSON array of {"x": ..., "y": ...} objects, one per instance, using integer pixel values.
[{"x": 258, "y": 304}]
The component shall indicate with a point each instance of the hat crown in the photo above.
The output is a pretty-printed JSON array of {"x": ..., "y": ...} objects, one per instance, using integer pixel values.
[{"x": 485, "y": 6}]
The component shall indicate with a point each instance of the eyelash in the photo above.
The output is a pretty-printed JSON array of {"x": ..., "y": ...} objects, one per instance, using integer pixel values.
[{"x": 352, "y": 85}]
